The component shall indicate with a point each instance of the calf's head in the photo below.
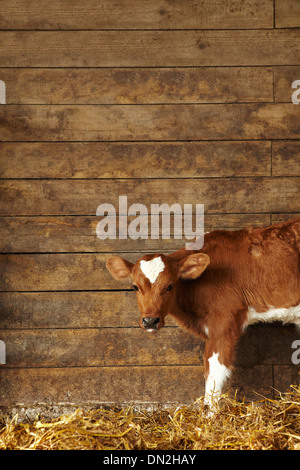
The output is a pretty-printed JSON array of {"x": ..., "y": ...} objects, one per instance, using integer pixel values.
[{"x": 155, "y": 278}]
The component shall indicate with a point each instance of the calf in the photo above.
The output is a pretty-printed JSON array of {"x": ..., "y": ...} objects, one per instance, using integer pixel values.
[{"x": 238, "y": 278}]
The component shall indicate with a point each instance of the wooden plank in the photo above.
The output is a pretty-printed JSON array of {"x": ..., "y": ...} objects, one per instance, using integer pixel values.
[
  {"x": 123, "y": 160},
  {"x": 266, "y": 344},
  {"x": 138, "y": 86},
  {"x": 287, "y": 14},
  {"x": 277, "y": 218},
  {"x": 123, "y": 385},
  {"x": 102, "y": 385},
  {"x": 28, "y": 310},
  {"x": 77, "y": 234},
  {"x": 285, "y": 158},
  {"x": 58, "y": 272},
  {"x": 285, "y": 376},
  {"x": 134, "y": 14},
  {"x": 284, "y": 77},
  {"x": 80, "y": 347},
  {"x": 253, "y": 383},
  {"x": 97, "y": 347},
  {"x": 157, "y": 122},
  {"x": 82, "y": 197},
  {"x": 149, "y": 48}
]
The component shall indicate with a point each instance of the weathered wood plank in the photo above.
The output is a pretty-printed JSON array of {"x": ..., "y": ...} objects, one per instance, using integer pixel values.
[
  {"x": 77, "y": 234},
  {"x": 134, "y": 14},
  {"x": 58, "y": 272},
  {"x": 285, "y": 158},
  {"x": 97, "y": 347},
  {"x": 285, "y": 376},
  {"x": 253, "y": 383},
  {"x": 82, "y": 197},
  {"x": 283, "y": 80},
  {"x": 123, "y": 160},
  {"x": 171, "y": 346},
  {"x": 266, "y": 344},
  {"x": 27, "y": 310},
  {"x": 287, "y": 14},
  {"x": 138, "y": 86},
  {"x": 157, "y": 122},
  {"x": 101, "y": 385},
  {"x": 148, "y": 48},
  {"x": 124, "y": 385},
  {"x": 74, "y": 309},
  {"x": 277, "y": 218}
]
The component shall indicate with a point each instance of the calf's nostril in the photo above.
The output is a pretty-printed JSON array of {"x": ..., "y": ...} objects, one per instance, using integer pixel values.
[{"x": 150, "y": 322}]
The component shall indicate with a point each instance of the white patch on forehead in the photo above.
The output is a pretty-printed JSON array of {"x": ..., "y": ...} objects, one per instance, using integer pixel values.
[{"x": 151, "y": 269}]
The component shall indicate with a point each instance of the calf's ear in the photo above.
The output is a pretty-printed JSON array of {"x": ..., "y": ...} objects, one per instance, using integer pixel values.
[
  {"x": 118, "y": 267},
  {"x": 193, "y": 266}
]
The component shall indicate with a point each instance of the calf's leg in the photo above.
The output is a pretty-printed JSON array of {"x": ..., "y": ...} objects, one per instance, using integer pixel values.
[{"x": 218, "y": 361}]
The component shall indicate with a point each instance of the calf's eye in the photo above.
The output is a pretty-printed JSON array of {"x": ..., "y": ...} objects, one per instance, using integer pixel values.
[
  {"x": 135, "y": 287},
  {"x": 170, "y": 287}
]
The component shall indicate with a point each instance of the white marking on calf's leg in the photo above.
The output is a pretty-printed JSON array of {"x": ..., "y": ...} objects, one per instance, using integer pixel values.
[
  {"x": 151, "y": 269},
  {"x": 218, "y": 373}
]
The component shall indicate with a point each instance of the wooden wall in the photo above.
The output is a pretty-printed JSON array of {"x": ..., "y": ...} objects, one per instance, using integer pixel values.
[{"x": 185, "y": 101}]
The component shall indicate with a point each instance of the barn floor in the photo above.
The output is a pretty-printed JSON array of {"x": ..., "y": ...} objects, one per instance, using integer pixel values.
[{"x": 265, "y": 425}]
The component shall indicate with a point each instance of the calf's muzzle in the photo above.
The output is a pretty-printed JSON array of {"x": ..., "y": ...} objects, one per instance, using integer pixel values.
[{"x": 150, "y": 323}]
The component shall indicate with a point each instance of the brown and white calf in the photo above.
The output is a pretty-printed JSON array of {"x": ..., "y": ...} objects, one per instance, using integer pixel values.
[{"x": 238, "y": 278}]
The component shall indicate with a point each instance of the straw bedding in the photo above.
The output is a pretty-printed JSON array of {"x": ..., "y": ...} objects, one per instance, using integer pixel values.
[{"x": 267, "y": 424}]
